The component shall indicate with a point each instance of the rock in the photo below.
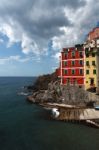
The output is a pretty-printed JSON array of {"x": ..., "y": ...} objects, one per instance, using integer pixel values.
[
  {"x": 31, "y": 99},
  {"x": 43, "y": 81},
  {"x": 55, "y": 92}
]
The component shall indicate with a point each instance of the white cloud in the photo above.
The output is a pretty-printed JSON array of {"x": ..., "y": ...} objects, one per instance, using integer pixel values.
[
  {"x": 28, "y": 45},
  {"x": 82, "y": 19},
  {"x": 35, "y": 23},
  {"x": 26, "y": 22},
  {"x": 57, "y": 55},
  {"x": 16, "y": 58},
  {"x": 16, "y": 34}
]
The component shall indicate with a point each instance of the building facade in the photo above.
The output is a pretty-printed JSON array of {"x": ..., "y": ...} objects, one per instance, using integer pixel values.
[
  {"x": 72, "y": 65},
  {"x": 91, "y": 64},
  {"x": 91, "y": 47},
  {"x": 90, "y": 68},
  {"x": 80, "y": 64},
  {"x": 94, "y": 34}
]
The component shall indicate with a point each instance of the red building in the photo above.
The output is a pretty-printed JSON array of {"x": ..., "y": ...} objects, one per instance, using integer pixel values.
[{"x": 72, "y": 65}]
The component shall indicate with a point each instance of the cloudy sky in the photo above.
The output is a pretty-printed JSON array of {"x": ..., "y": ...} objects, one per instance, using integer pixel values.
[{"x": 32, "y": 32}]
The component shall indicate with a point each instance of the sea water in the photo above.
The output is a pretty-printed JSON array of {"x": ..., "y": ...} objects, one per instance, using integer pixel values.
[{"x": 25, "y": 126}]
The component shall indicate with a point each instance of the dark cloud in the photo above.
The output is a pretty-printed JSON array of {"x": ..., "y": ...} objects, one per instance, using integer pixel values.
[
  {"x": 69, "y": 3},
  {"x": 39, "y": 20}
]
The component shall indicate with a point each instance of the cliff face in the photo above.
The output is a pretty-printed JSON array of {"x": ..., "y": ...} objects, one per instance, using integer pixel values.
[
  {"x": 47, "y": 88},
  {"x": 43, "y": 81},
  {"x": 65, "y": 94}
]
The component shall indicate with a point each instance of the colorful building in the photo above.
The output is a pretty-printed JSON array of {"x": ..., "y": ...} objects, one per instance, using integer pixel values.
[
  {"x": 72, "y": 65},
  {"x": 91, "y": 64},
  {"x": 94, "y": 34},
  {"x": 91, "y": 47},
  {"x": 80, "y": 64}
]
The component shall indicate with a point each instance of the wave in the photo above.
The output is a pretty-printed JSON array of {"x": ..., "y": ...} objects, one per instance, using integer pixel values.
[{"x": 23, "y": 93}]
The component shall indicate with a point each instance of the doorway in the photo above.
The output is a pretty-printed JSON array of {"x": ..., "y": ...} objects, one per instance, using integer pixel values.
[{"x": 92, "y": 81}]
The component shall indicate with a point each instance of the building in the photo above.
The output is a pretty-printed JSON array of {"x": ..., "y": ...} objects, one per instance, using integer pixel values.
[
  {"x": 91, "y": 64},
  {"x": 90, "y": 68},
  {"x": 91, "y": 47},
  {"x": 80, "y": 64},
  {"x": 72, "y": 65},
  {"x": 94, "y": 34}
]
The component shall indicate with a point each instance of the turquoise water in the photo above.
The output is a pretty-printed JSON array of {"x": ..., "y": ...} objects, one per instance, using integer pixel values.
[{"x": 25, "y": 126}]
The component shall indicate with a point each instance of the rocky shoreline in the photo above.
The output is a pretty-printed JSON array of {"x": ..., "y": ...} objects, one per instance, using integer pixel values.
[
  {"x": 68, "y": 94},
  {"x": 64, "y": 97}
]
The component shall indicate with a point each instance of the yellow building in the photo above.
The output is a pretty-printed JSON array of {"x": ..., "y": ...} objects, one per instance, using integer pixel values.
[{"x": 91, "y": 66}]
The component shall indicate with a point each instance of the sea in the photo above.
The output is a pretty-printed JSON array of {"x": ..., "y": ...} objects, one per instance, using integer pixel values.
[{"x": 25, "y": 126}]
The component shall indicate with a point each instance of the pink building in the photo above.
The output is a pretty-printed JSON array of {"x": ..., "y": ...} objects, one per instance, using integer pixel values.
[{"x": 94, "y": 34}]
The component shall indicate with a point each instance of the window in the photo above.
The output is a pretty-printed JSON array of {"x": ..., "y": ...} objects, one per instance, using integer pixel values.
[
  {"x": 65, "y": 63},
  {"x": 93, "y": 63},
  {"x": 87, "y": 71},
  {"x": 87, "y": 63},
  {"x": 81, "y": 71},
  {"x": 65, "y": 55},
  {"x": 73, "y": 54},
  {"x": 94, "y": 71},
  {"x": 81, "y": 62},
  {"x": 93, "y": 54},
  {"x": 65, "y": 72},
  {"x": 87, "y": 55},
  {"x": 73, "y": 71},
  {"x": 81, "y": 54},
  {"x": 73, "y": 63}
]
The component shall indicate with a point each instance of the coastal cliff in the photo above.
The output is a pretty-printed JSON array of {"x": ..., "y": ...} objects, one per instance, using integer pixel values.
[
  {"x": 47, "y": 88},
  {"x": 42, "y": 82},
  {"x": 66, "y": 102}
]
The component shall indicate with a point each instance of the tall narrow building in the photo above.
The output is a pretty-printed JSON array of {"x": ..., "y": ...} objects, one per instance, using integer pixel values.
[
  {"x": 72, "y": 65},
  {"x": 91, "y": 47},
  {"x": 90, "y": 68}
]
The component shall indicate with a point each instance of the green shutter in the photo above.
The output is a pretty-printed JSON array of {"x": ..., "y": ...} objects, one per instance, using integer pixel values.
[
  {"x": 65, "y": 63},
  {"x": 94, "y": 71},
  {"x": 87, "y": 63},
  {"x": 73, "y": 54},
  {"x": 65, "y": 72},
  {"x": 93, "y": 54},
  {"x": 87, "y": 71},
  {"x": 93, "y": 63},
  {"x": 73, "y": 63},
  {"x": 73, "y": 71}
]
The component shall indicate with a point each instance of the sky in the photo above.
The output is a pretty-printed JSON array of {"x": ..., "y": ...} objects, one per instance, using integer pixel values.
[{"x": 33, "y": 32}]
